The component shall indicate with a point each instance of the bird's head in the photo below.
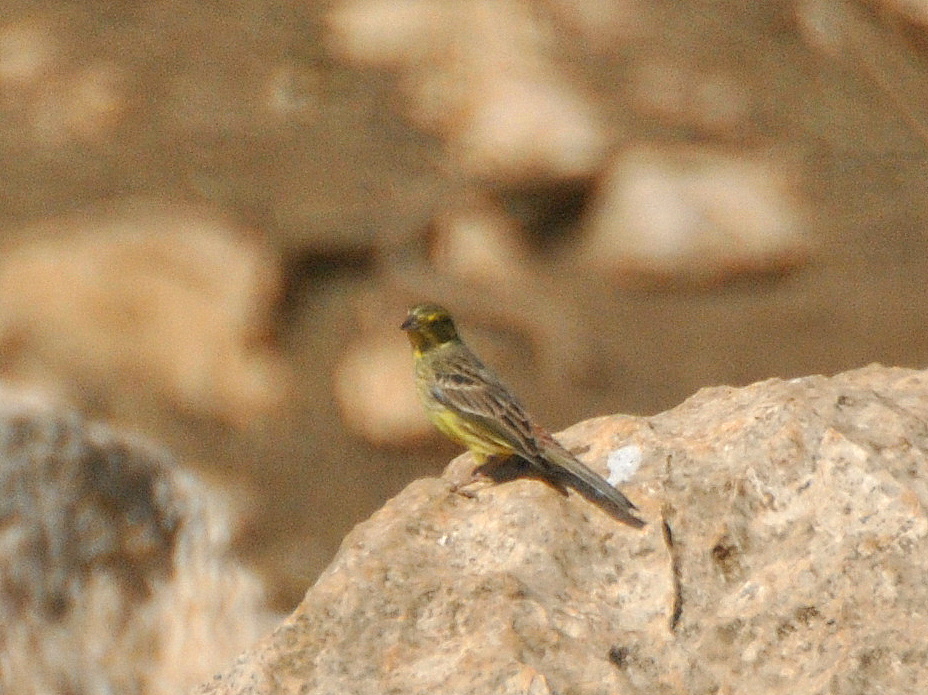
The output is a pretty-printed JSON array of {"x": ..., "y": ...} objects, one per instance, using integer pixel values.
[{"x": 428, "y": 326}]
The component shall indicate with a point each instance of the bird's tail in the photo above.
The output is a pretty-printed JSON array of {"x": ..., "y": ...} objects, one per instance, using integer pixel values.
[{"x": 563, "y": 466}]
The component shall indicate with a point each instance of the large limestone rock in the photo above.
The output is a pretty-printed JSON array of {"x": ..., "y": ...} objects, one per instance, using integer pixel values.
[{"x": 786, "y": 552}]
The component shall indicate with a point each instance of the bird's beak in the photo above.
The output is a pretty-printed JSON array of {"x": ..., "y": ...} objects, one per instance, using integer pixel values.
[{"x": 410, "y": 324}]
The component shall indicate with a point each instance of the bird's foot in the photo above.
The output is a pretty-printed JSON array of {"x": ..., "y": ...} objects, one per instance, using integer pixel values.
[{"x": 475, "y": 478}]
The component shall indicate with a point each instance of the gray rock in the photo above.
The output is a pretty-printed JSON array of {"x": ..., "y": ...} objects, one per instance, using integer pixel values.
[
  {"x": 786, "y": 553},
  {"x": 114, "y": 570}
]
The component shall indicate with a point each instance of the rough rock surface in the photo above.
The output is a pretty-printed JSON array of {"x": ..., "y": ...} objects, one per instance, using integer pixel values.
[
  {"x": 114, "y": 570},
  {"x": 786, "y": 553}
]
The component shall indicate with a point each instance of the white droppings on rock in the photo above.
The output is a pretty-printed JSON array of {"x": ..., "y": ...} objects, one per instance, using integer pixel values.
[{"x": 623, "y": 463}]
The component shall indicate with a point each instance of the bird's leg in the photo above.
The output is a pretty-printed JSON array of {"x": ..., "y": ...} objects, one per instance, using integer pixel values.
[
  {"x": 579, "y": 450},
  {"x": 495, "y": 469},
  {"x": 477, "y": 475},
  {"x": 461, "y": 488}
]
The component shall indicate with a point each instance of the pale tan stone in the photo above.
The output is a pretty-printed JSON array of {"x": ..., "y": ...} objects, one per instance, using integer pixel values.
[
  {"x": 686, "y": 215},
  {"x": 143, "y": 302},
  {"x": 376, "y": 396},
  {"x": 786, "y": 552}
]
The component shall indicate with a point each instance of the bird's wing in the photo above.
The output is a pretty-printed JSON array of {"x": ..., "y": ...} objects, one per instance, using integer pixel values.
[
  {"x": 471, "y": 390},
  {"x": 466, "y": 387}
]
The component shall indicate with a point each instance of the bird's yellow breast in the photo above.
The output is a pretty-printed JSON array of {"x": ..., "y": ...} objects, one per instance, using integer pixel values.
[{"x": 471, "y": 435}]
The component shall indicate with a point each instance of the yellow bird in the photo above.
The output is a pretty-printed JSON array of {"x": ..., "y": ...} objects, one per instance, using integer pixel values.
[{"x": 470, "y": 405}]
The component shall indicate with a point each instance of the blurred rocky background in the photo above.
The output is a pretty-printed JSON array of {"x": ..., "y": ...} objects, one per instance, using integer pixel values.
[
  {"x": 213, "y": 218},
  {"x": 115, "y": 571}
]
